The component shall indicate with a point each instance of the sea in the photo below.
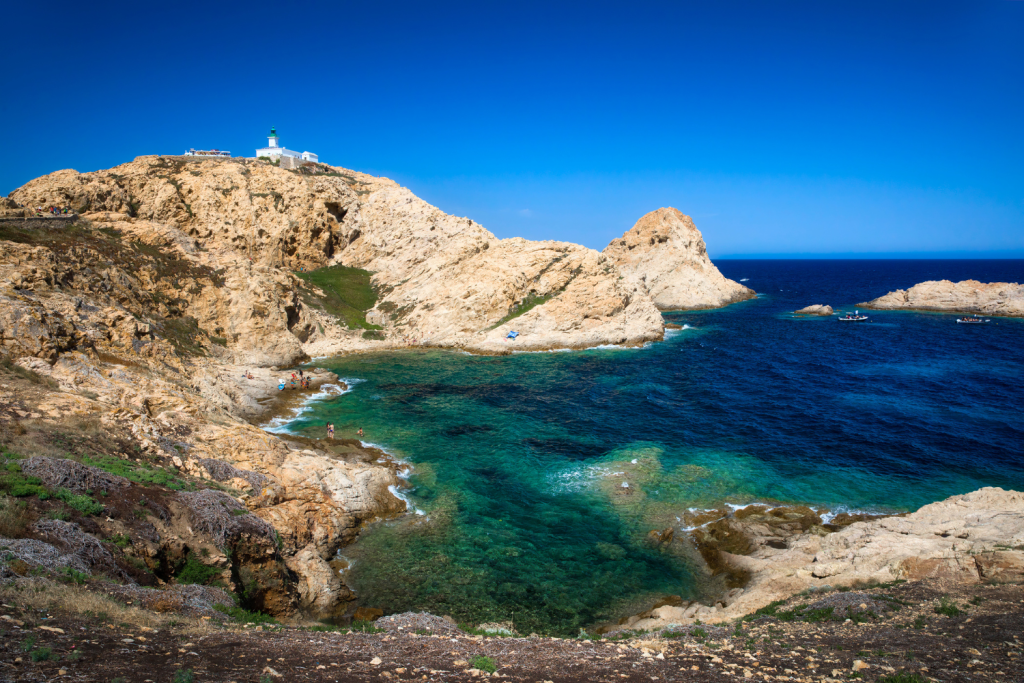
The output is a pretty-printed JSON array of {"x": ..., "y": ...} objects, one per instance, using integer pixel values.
[{"x": 534, "y": 479}]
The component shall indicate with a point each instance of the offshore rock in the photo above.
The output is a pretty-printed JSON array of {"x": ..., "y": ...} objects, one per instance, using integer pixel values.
[
  {"x": 968, "y": 296},
  {"x": 666, "y": 252},
  {"x": 816, "y": 309}
]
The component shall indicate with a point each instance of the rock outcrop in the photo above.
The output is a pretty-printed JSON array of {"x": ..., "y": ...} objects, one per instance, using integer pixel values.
[
  {"x": 666, "y": 253},
  {"x": 816, "y": 309},
  {"x": 968, "y": 296},
  {"x": 969, "y": 538}
]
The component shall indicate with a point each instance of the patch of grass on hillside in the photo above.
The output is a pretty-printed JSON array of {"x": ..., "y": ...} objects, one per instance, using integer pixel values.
[
  {"x": 524, "y": 306},
  {"x": 139, "y": 473},
  {"x": 194, "y": 571},
  {"x": 348, "y": 294},
  {"x": 18, "y": 485},
  {"x": 84, "y": 504}
]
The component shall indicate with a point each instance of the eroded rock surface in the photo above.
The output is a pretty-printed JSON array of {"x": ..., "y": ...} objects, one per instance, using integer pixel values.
[
  {"x": 968, "y": 296},
  {"x": 665, "y": 251},
  {"x": 777, "y": 552}
]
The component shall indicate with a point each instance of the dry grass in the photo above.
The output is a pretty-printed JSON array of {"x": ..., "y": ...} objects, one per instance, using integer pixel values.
[
  {"x": 39, "y": 593},
  {"x": 13, "y": 517}
]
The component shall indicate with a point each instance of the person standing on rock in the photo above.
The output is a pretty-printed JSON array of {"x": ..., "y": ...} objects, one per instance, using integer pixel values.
[
  {"x": 360, "y": 431},
  {"x": 330, "y": 430}
]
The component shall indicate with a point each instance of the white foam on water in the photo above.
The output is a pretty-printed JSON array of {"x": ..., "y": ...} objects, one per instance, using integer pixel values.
[
  {"x": 744, "y": 279},
  {"x": 828, "y": 514},
  {"x": 633, "y": 461},
  {"x": 405, "y": 499},
  {"x": 280, "y": 424}
]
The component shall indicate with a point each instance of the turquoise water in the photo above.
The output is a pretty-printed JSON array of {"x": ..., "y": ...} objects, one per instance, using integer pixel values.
[{"x": 519, "y": 462}]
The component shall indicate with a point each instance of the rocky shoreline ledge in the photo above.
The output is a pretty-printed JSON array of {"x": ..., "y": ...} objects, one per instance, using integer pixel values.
[{"x": 769, "y": 553}]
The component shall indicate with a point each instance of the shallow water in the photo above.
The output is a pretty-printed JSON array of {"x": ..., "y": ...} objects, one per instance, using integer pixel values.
[{"x": 520, "y": 462}]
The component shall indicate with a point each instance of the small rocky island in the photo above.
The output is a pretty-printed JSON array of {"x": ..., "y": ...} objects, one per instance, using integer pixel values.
[
  {"x": 968, "y": 296},
  {"x": 816, "y": 309}
]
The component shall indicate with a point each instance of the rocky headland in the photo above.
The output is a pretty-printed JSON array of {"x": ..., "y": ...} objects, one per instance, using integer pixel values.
[
  {"x": 968, "y": 296},
  {"x": 666, "y": 253}
]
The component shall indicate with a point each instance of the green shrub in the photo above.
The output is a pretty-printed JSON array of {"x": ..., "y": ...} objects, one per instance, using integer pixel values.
[
  {"x": 42, "y": 654},
  {"x": 122, "y": 541},
  {"x": 29, "y": 643},
  {"x": 60, "y": 513},
  {"x": 245, "y": 616},
  {"x": 73, "y": 575},
  {"x": 18, "y": 485},
  {"x": 947, "y": 608},
  {"x": 184, "y": 676},
  {"x": 483, "y": 663},
  {"x": 84, "y": 504},
  {"x": 919, "y": 623},
  {"x": 903, "y": 677},
  {"x": 194, "y": 571}
]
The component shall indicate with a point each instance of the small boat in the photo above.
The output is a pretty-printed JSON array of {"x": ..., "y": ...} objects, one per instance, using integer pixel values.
[
  {"x": 854, "y": 317},
  {"x": 972, "y": 321}
]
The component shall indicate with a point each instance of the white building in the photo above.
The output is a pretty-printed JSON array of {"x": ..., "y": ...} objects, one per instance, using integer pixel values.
[
  {"x": 207, "y": 153},
  {"x": 275, "y": 152}
]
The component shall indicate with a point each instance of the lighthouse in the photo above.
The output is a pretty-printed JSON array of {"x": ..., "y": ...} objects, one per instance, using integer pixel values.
[{"x": 287, "y": 158}]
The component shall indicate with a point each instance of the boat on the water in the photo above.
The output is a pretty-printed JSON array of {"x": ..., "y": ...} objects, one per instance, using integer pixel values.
[
  {"x": 972, "y": 321},
  {"x": 854, "y": 317}
]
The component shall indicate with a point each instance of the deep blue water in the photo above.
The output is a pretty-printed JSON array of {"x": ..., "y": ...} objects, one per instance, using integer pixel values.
[{"x": 519, "y": 462}]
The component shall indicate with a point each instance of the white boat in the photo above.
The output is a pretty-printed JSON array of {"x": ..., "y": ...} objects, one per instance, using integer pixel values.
[
  {"x": 972, "y": 321},
  {"x": 854, "y": 317}
]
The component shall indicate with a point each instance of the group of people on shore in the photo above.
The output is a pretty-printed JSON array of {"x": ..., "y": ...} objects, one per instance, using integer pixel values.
[
  {"x": 54, "y": 210},
  {"x": 301, "y": 381}
]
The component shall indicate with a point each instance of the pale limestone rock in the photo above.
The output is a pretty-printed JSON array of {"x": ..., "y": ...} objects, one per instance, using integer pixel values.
[
  {"x": 965, "y": 539},
  {"x": 968, "y": 296},
  {"x": 666, "y": 252},
  {"x": 816, "y": 309}
]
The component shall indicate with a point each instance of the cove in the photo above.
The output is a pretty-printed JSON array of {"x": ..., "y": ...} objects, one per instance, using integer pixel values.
[{"x": 539, "y": 475}]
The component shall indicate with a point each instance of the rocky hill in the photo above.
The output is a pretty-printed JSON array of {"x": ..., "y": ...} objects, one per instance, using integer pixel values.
[
  {"x": 969, "y": 296},
  {"x": 436, "y": 278},
  {"x": 666, "y": 253}
]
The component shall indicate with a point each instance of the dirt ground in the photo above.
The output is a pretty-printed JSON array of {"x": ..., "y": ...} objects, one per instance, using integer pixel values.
[{"x": 909, "y": 643}]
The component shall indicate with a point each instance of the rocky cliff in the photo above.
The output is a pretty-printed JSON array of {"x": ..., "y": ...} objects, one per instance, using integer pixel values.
[
  {"x": 969, "y": 296},
  {"x": 665, "y": 252}
]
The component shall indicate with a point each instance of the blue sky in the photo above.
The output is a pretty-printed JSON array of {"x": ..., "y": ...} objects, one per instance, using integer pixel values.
[{"x": 816, "y": 128}]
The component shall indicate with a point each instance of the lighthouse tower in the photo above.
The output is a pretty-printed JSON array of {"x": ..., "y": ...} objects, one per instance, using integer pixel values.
[{"x": 286, "y": 157}]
